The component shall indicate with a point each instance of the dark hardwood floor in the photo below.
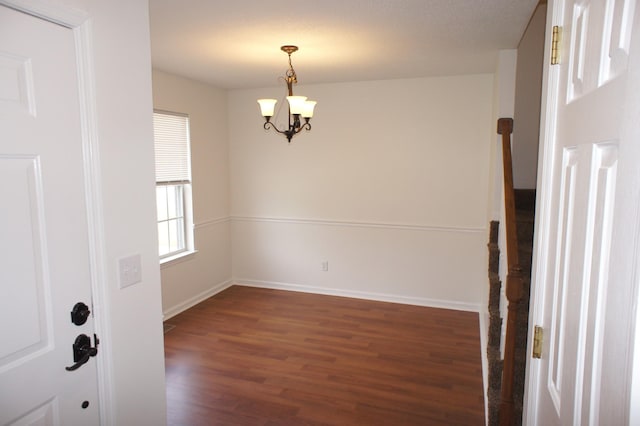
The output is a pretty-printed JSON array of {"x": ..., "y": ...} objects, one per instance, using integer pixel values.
[{"x": 250, "y": 356}]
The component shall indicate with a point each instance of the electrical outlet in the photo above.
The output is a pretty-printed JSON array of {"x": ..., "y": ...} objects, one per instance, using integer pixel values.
[
  {"x": 130, "y": 270},
  {"x": 325, "y": 265}
]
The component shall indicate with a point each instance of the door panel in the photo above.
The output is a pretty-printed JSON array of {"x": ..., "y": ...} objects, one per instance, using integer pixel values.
[
  {"x": 22, "y": 226},
  {"x": 594, "y": 286},
  {"x": 558, "y": 329},
  {"x": 44, "y": 245},
  {"x": 583, "y": 287},
  {"x": 616, "y": 38}
]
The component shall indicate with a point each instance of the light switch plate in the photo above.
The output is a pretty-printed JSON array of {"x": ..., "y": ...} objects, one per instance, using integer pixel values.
[{"x": 130, "y": 270}]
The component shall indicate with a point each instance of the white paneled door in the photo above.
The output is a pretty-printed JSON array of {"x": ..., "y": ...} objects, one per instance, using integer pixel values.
[
  {"x": 44, "y": 244},
  {"x": 585, "y": 277}
]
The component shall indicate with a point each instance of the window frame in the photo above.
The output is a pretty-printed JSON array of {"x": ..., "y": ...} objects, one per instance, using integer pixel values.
[{"x": 185, "y": 202}]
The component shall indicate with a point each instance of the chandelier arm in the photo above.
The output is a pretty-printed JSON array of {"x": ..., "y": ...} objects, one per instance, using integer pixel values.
[
  {"x": 269, "y": 125},
  {"x": 291, "y": 131}
]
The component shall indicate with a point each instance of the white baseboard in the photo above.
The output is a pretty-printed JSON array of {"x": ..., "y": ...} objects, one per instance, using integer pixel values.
[
  {"x": 418, "y": 301},
  {"x": 181, "y": 307}
]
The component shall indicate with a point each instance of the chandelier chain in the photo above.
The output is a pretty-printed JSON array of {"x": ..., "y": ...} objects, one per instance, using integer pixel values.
[{"x": 291, "y": 73}]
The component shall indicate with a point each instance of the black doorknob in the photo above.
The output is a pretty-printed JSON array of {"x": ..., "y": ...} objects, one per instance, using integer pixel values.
[{"x": 82, "y": 351}]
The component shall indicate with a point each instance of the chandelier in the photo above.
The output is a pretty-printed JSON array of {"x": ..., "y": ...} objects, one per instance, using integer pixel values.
[{"x": 299, "y": 106}]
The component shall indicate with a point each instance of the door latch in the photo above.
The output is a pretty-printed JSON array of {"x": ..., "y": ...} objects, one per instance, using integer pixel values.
[{"x": 82, "y": 351}]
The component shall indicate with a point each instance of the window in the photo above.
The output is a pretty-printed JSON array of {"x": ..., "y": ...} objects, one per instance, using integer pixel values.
[{"x": 173, "y": 184}]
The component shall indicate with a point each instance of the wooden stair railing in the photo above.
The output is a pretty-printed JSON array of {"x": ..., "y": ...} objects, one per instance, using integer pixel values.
[{"x": 515, "y": 283}]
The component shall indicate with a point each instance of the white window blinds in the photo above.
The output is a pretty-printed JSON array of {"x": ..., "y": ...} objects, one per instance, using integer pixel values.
[{"x": 171, "y": 135}]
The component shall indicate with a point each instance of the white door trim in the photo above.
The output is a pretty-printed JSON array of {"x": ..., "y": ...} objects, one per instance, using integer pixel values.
[
  {"x": 550, "y": 82},
  {"x": 80, "y": 23}
]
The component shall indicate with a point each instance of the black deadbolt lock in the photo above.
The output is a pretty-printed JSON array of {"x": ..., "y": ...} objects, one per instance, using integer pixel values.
[{"x": 80, "y": 313}]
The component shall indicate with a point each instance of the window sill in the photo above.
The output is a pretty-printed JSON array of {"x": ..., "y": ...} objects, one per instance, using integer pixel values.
[{"x": 177, "y": 258}]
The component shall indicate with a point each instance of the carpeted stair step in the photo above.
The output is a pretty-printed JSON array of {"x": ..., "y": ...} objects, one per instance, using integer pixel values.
[{"x": 525, "y": 211}]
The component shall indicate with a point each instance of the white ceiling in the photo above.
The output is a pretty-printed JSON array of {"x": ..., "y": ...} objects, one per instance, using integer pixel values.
[{"x": 236, "y": 44}]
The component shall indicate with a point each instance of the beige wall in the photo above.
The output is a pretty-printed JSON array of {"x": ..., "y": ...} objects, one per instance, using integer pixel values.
[
  {"x": 395, "y": 199},
  {"x": 391, "y": 187},
  {"x": 526, "y": 128},
  {"x": 195, "y": 277}
]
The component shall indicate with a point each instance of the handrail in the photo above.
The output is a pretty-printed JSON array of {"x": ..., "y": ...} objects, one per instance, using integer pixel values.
[{"x": 515, "y": 283}]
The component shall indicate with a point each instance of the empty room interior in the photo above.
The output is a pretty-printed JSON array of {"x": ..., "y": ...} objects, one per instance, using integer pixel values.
[
  {"x": 388, "y": 198},
  {"x": 364, "y": 212}
]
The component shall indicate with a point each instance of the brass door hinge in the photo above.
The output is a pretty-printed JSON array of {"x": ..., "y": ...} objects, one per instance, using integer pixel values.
[
  {"x": 555, "y": 46},
  {"x": 537, "y": 342}
]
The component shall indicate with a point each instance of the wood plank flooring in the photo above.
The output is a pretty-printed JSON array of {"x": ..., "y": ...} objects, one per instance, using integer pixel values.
[{"x": 251, "y": 356}]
